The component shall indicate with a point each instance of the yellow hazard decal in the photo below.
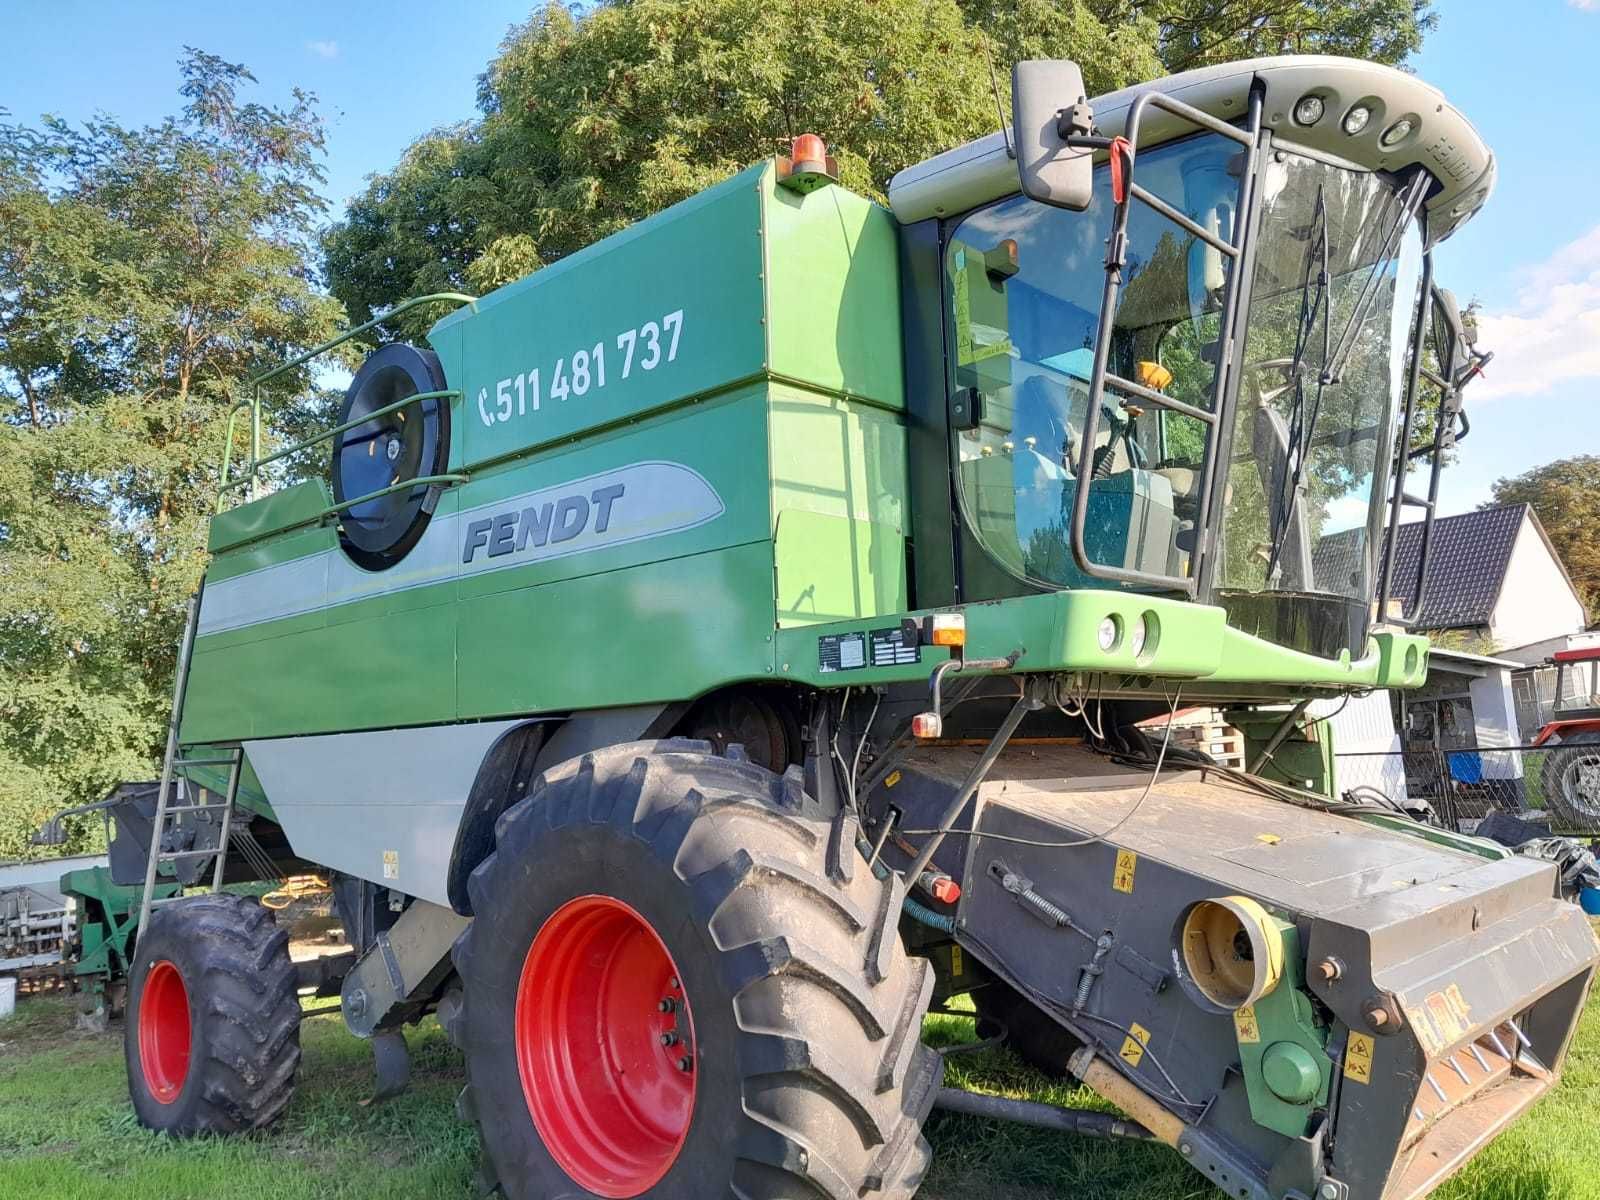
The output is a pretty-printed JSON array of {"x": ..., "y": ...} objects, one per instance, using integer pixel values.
[
  {"x": 1122, "y": 877},
  {"x": 894, "y": 778},
  {"x": 1358, "y": 1058},
  {"x": 1430, "y": 1038},
  {"x": 1133, "y": 1045},
  {"x": 1246, "y": 1025},
  {"x": 391, "y": 864},
  {"x": 1270, "y": 839},
  {"x": 1458, "y": 1005},
  {"x": 1452, "y": 1027},
  {"x": 957, "y": 967}
]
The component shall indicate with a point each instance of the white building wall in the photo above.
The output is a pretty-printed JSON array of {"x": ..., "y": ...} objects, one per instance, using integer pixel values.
[
  {"x": 1536, "y": 601},
  {"x": 1366, "y": 746}
]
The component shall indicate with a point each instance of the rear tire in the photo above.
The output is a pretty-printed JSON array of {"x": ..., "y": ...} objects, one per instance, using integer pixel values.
[
  {"x": 796, "y": 1007},
  {"x": 212, "y": 1038},
  {"x": 1570, "y": 780}
]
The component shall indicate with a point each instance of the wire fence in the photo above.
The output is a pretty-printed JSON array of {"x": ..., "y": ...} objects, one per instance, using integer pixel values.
[{"x": 1558, "y": 785}]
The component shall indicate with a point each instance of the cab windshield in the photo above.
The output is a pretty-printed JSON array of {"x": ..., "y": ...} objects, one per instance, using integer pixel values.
[{"x": 1337, "y": 272}]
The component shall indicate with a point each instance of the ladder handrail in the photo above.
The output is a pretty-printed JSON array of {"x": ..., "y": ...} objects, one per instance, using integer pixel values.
[
  {"x": 170, "y": 762},
  {"x": 250, "y": 471}
]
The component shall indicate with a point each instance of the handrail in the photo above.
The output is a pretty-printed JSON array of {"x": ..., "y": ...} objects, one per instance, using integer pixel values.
[
  {"x": 346, "y": 427},
  {"x": 1102, "y": 378},
  {"x": 250, "y": 472},
  {"x": 404, "y": 485}
]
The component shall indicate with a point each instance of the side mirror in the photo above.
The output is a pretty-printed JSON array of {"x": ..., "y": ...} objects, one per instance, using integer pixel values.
[
  {"x": 51, "y": 833},
  {"x": 1047, "y": 105},
  {"x": 1452, "y": 349}
]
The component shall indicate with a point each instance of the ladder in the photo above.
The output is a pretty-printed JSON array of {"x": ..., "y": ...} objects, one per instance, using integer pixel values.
[{"x": 166, "y": 810}]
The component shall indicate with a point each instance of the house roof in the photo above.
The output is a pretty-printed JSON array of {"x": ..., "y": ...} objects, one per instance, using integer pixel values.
[{"x": 1467, "y": 564}]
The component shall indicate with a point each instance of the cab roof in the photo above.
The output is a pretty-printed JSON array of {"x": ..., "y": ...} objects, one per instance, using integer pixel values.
[{"x": 1441, "y": 139}]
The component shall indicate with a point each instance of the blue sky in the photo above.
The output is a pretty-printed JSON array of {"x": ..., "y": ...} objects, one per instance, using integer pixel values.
[{"x": 388, "y": 72}]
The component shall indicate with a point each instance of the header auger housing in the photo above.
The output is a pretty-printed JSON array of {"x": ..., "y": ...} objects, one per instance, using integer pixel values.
[{"x": 723, "y": 642}]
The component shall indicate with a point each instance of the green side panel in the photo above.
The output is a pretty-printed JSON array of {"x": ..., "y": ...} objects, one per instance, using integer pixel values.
[
  {"x": 279, "y": 548},
  {"x": 1059, "y": 631},
  {"x": 376, "y": 663},
  {"x": 664, "y": 631},
  {"x": 668, "y": 308},
  {"x": 838, "y": 502},
  {"x": 831, "y": 568},
  {"x": 341, "y": 663},
  {"x": 297, "y": 505},
  {"x": 834, "y": 293}
]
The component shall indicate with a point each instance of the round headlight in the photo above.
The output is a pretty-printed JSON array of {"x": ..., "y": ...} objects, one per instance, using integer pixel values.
[
  {"x": 1136, "y": 637},
  {"x": 1309, "y": 111},
  {"x": 1110, "y": 633},
  {"x": 1396, "y": 133},
  {"x": 1356, "y": 119}
]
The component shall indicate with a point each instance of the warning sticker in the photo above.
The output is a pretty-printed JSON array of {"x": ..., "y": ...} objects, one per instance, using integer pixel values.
[
  {"x": 1122, "y": 877},
  {"x": 391, "y": 864},
  {"x": 1445, "y": 1017},
  {"x": 1458, "y": 1005},
  {"x": 841, "y": 652},
  {"x": 957, "y": 963},
  {"x": 1133, "y": 1045},
  {"x": 1246, "y": 1025},
  {"x": 894, "y": 778},
  {"x": 1358, "y": 1058},
  {"x": 891, "y": 648}
]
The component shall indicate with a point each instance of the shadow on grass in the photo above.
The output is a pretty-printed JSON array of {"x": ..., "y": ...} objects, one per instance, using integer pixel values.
[{"x": 67, "y": 1131}]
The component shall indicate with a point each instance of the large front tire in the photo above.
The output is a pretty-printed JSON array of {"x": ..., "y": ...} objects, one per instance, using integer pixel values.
[
  {"x": 212, "y": 1037},
  {"x": 673, "y": 988}
]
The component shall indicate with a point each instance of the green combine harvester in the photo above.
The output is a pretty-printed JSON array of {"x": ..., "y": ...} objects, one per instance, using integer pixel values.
[{"x": 722, "y": 646}]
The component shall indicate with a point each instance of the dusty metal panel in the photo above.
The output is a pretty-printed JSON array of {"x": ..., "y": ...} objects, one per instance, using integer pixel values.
[{"x": 382, "y": 806}]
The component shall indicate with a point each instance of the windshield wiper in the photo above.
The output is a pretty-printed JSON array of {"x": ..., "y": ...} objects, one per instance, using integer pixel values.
[
  {"x": 1410, "y": 202},
  {"x": 1303, "y": 419}
]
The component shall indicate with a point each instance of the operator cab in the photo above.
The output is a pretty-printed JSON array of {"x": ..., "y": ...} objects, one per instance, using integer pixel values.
[{"x": 1212, "y": 406}]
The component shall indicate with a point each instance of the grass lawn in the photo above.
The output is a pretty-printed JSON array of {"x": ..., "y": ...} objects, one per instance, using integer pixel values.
[{"x": 68, "y": 1133}]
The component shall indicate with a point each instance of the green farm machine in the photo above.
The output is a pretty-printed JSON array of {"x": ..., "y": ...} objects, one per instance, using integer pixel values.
[{"x": 725, "y": 644}]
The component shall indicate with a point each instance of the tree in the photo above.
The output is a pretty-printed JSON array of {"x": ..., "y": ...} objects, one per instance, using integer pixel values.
[
  {"x": 593, "y": 121},
  {"x": 1565, "y": 496},
  {"x": 144, "y": 274}
]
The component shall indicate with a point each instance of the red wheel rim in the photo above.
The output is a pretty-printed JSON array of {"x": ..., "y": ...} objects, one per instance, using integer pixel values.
[
  {"x": 605, "y": 1047},
  {"x": 164, "y": 1032}
]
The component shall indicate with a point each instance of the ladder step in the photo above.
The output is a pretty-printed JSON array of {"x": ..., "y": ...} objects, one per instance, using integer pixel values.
[
  {"x": 206, "y": 762},
  {"x": 188, "y": 808},
  {"x": 174, "y": 855}
]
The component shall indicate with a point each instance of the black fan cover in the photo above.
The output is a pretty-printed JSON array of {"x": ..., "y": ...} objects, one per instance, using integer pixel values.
[{"x": 408, "y": 443}]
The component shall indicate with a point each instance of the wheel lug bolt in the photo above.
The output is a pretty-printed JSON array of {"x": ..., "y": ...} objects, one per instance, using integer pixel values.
[
  {"x": 669, "y": 1039},
  {"x": 673, "y": 983},
  {"x": 685, "y": 1063},
  {"x": 665, "y": 1006}
]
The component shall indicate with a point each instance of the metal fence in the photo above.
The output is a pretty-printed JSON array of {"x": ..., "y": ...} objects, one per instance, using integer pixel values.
[{"x": 1559, "y": 785}]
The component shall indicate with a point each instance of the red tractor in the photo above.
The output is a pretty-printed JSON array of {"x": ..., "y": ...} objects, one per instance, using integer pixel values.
[{"x": 1571, "y": 772}]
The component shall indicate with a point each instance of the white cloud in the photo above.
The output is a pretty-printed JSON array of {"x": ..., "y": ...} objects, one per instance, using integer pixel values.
[
  {"x": 1551, "y": 336},
  {"x": 330, "y": 49},
  {"x": 1586, "y": 5}
]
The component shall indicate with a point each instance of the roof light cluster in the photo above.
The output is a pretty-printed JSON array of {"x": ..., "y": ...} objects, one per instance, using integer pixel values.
[{"x": 1313, "y": 107}]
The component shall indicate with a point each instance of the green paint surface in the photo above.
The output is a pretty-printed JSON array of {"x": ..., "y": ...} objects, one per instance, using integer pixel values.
[{"x": 751, "y": 338}]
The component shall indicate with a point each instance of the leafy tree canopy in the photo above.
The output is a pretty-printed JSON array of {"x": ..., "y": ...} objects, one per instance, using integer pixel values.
[
  {"x": 144, "y": 274},
  {"x": 591, "y": 122},
  {"x": 1566, "y": 496}
]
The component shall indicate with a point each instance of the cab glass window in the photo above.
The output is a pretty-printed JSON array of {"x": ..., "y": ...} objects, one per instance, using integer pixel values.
[{"x": 1024, "y": 285}]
